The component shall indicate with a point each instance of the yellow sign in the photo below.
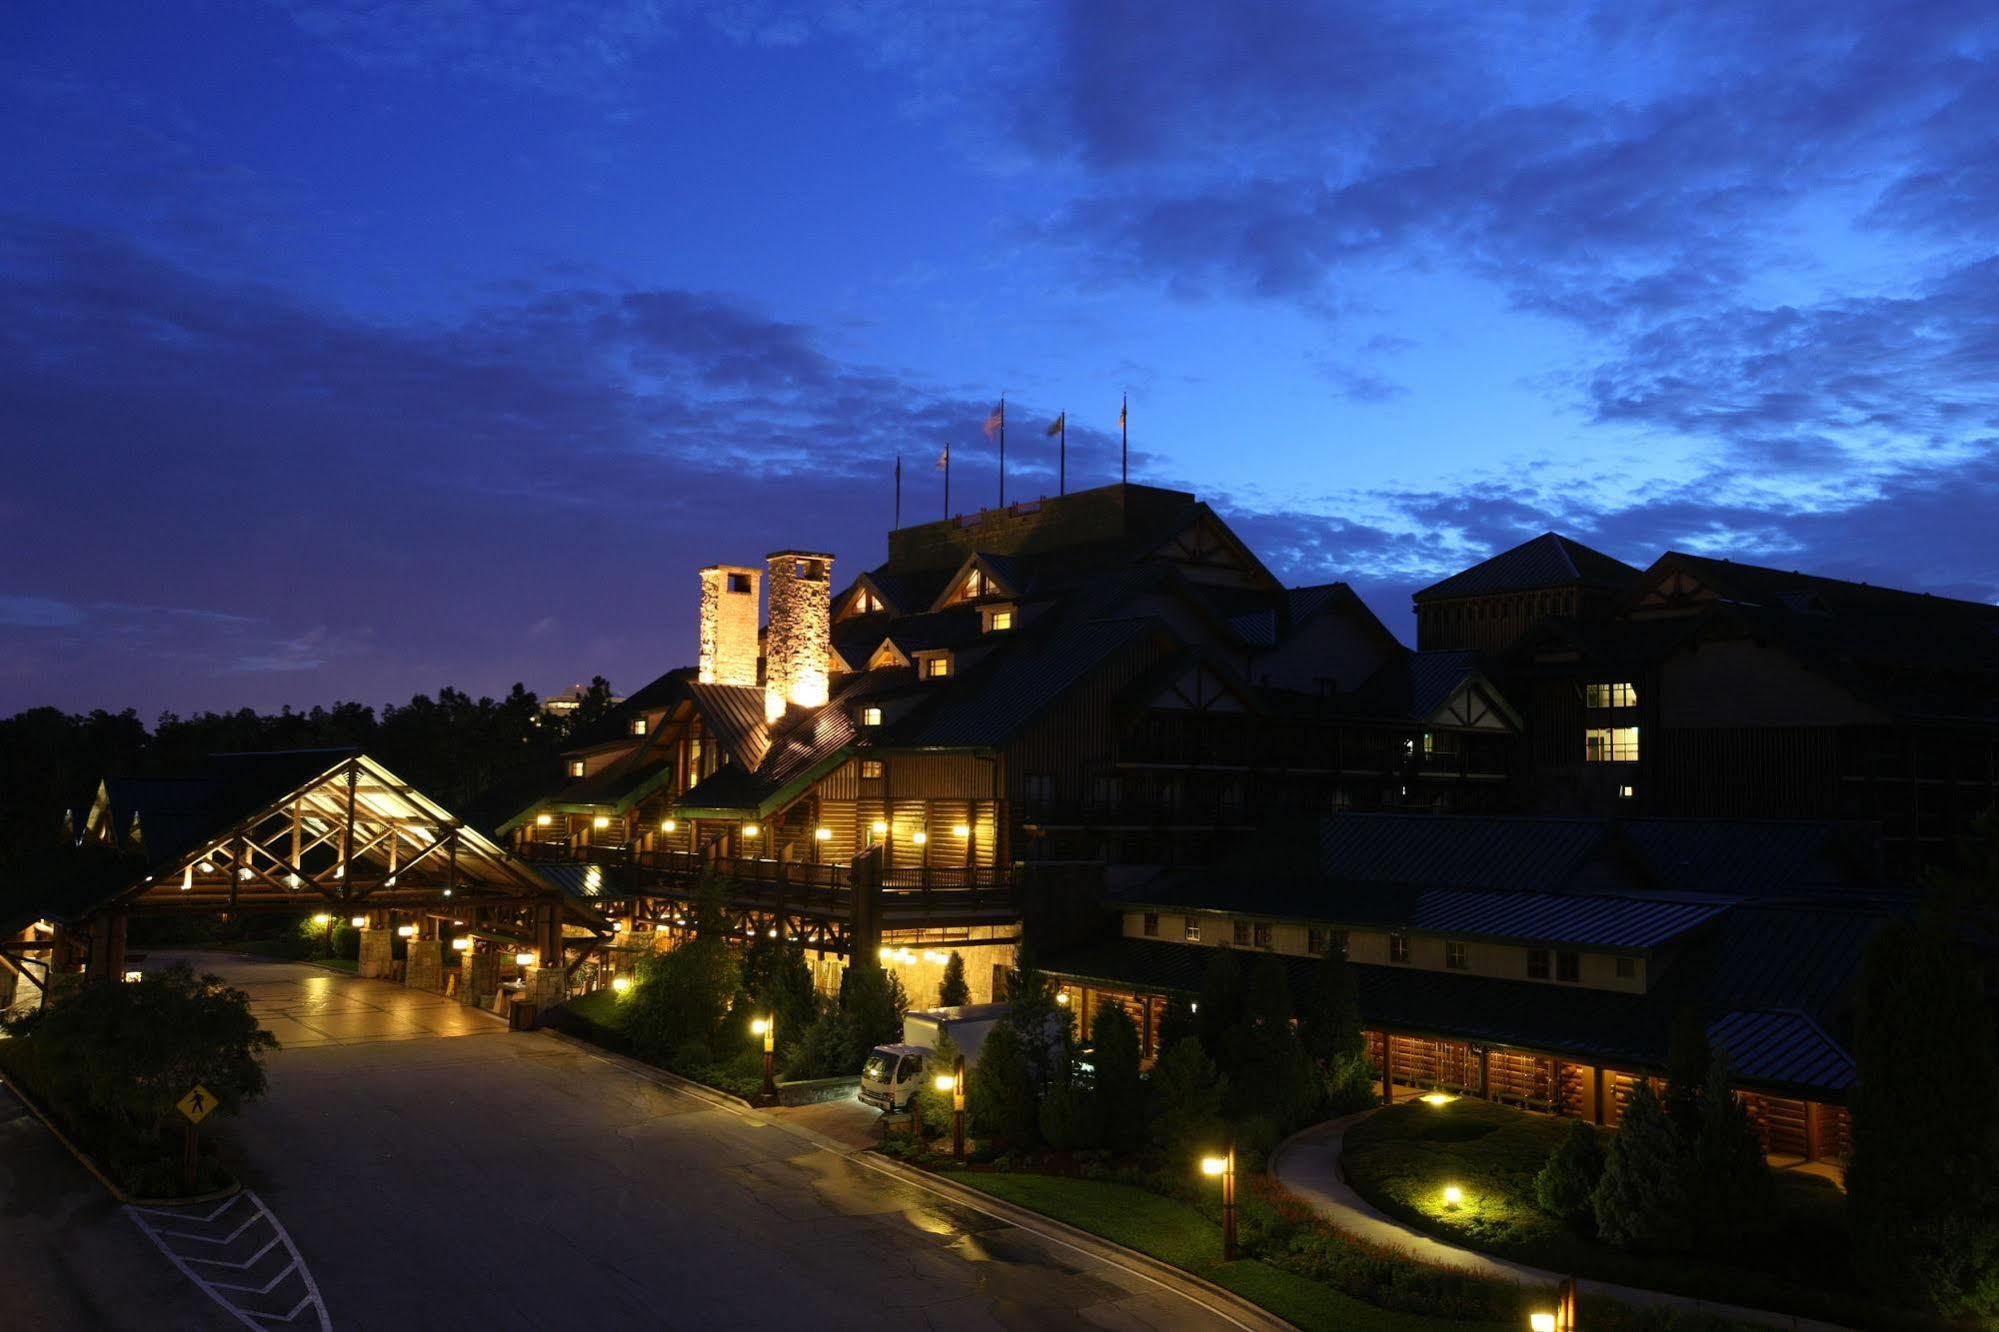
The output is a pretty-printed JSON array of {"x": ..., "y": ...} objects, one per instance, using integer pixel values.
[{"x": 197, "y": 1105}]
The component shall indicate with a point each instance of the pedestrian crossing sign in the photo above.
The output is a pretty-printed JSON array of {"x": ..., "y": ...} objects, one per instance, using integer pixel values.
[{"x": 197, "y": 1105}]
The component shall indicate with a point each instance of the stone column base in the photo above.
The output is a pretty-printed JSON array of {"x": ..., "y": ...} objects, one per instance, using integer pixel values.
[
  {"x": 378, "y": 953},
  {"x": 478, "y": 977},
  {"x": 546, "y": 987},
  {"x": 425, "y": 966}
]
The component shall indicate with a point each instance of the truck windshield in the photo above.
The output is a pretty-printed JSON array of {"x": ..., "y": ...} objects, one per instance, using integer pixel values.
[{"x": 880, "y": 1067}]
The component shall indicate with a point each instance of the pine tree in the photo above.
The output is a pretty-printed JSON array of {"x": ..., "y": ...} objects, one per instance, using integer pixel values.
[
  {"x": 1641, "y": 1202},
  {"x": 954, "y": 992},
  {"x": 1688, "y": 1063},
  {"x": 1003, "y": 1096},
  {"x": 1567, "y": 1182},
  {"x": 1925, "y": 1166},
  {"x": 1187, "y": 1095},
  {"x": 1330, "y": 1026},
  {"x": 1118, "y": 1086},
  {"x": 1032, "y": 1014},
  {"x": 933, "y": 1108},
  {"x": 1272, "y": 1077},
  {"x": 1733, "y": 1192},
  {"x": 1176, "y": 1024}
]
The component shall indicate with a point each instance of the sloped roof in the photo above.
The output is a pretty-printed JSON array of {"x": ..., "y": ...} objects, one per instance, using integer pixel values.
[
  {"x": 735, "y": 714},
  {"x": 615, "y": 724},
  {"x": 1792, "y": 590},
  {"x": 178, "y": 814},
  {"x": 1549, "y": 560},
  {"x": 1464, "y": 851},
  {"x": 1783, "y": 1048},
  {"x": 989, "y": 708}
]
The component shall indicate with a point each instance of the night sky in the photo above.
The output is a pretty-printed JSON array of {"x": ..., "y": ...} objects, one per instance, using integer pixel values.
[{"x": 348, "y": 350}]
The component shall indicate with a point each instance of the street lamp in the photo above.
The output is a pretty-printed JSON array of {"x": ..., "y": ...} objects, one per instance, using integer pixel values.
[
  {"x": 1225, "y": 1167},
  {"x": 954, "y": 1082},
  {"x": 1562, "y": 1318},
  {"x": 766, "y": 1027}
]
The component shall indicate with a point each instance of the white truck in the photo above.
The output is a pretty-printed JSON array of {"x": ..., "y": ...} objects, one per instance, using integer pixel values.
[{"x": 892, "y": 1073}]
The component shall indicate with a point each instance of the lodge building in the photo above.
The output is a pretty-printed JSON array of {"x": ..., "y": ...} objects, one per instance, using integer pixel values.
[{"x": 1591, "y": 798}]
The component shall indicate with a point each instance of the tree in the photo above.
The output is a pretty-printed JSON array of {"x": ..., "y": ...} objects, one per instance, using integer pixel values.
[
  {"x": 683, "y": 996},
  {"x": 1003, "y": 1096},
  {"x": 1176, "y": 1024},
  {"x": 1117, "y": 1084},
  {"x": 1567, "y": 1182},
  {"x": 1688, "y": 1063},
  {"x": 1731, "y": 1187},
  {"x": 1187, "y": 1095},
  {"x": 1641, "y": 1201},
  {"x": 868, "y": 997},
  {"x": 1219, "y": 1015},
  {"x": 1925, "y": 1166},
  {"x": 1330, "y": 1026},
  {"x": 1032, "y": 1014},
  {"x": 1271, "y": 1078},
  {"x": 954, "y": 992},
  {"x": 1070, "y": 1118}
]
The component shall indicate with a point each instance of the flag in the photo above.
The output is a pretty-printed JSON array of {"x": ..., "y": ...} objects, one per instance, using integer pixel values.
[
  {"x": 1123, "y": 407},
  {"x": 997, "y": 421},
  {"x": 1060, "y": 423},
  {"x": 944, "y": 459}
]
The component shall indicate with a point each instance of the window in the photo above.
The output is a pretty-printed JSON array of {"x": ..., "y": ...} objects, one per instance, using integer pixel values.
[
  {"x": 1610, "y": 744},
  {"x": 739, "y": 583},
  {"x": 1151, "y": 924},
  {"x": 1315, "y": 940},
  {"x": 867, "y": 603},
  {"x": 1627, "y": 968},
  {"x": 871, "y": 716},
  {"x": 1627, "y": 792},
  {"x": 1000, "y": 622},
  {"x": 576, "y": 767},
  {"x": 1568, "y": 966},
  {"x": 1618, "y": 695},
  {"x": 1263, "y": 934},
  {"x": 871, "y": 769},
  {"x": 1398, "y": 948},
  {"x": 1193, "y": 931},
  {"x": 1537, "y": 964},
  {"x": 937, "y": 667},
  {"x": 1454, "y": 956},
  {"x": 638, "y": 726},
  {"x": 1038, "y": 788},
  {"x": 1242, "y": 933}
]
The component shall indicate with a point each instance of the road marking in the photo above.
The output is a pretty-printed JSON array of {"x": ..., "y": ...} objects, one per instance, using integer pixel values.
[{"x": 238, "y": 1299}]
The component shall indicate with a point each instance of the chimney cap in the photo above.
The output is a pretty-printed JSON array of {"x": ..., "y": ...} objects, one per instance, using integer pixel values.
[
  {"x": 732, "y": 568},
  {"x": 799, "y": 555}
]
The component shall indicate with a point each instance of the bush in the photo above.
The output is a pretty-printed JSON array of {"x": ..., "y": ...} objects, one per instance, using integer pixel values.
[
  {"x": 682, "y": 997},
  {"x": 1731, "y": 1188},
  {"x": 1117, "y": 1085},
  {"x": 1641, "y": 1201},
  {"x": 1002, "y": 1097},
  {"x": 1567, "y": 1183},
  {"x": 1187, "y": 1094},
  {"x": 933, "y": 1108},
  {"x": 1349, "y": 1085},
  {"x": 1068, "y": 1118}
]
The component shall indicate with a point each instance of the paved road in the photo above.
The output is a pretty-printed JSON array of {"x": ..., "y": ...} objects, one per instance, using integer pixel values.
[{"x": 505, "y": 1179}]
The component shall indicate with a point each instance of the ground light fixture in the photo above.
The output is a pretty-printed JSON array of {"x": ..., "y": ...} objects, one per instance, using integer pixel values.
[
  {"x": 1453, "y": 1196},
  {"x": 766, "y": 1027},
  {"x": 1223, "y": 1167},
  {"x": 1436, "y": 1098},
  {"x": 619, "y": 984},
  {"x": 954, "y": 1082}
]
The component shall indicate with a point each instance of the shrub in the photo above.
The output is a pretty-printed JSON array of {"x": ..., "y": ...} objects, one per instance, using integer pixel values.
[
  {"x": 1568, "y": 1181},
  {"x": 1068, "y": 1118},
  {"x": 1002, "y": 1096},
  {"x": 931, "y": 1107},
  {"x": 1187, "y": 1094},
  {"x": 1731, "y": 1188},
  {"x": 1117, "y": 1085},
  {"x": 682, "y": 996},
  {"x": 1641, "y": 1201},
  {"x": 953, "y": 991}
]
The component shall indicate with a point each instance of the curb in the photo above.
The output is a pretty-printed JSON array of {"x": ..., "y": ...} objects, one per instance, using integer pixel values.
[{"x": 84, "y": 1158}]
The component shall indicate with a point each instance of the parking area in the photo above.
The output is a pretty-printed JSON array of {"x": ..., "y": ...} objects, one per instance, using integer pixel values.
[{"x": 493, "y": 1178}]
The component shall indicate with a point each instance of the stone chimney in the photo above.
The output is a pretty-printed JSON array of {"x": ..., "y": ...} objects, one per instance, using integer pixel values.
[
  {"x": 729, "y": 625},
  {"x": 798, "y": 647}
]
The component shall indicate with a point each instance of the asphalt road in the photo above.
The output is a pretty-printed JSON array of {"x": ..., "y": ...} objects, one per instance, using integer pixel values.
[{"x": 492, "y": 1179}]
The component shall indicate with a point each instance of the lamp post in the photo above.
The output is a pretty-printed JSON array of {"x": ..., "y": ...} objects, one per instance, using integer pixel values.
[
  {"x": 1225, "y": 1167},
  {"x": 954, "y": 1082},
  {"x": 1563, "y": 1317},
  {"x": 766, "y": 1027}
]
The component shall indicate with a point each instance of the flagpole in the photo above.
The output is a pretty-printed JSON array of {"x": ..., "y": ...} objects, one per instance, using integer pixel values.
[
  {"x": 1062, "y": 471},
  {"x": 1002, "y": 415},
  {"x": 1124, "y": 440},
  {"x": 947, "y": 481},
  {"x": 898, "y": 490}
]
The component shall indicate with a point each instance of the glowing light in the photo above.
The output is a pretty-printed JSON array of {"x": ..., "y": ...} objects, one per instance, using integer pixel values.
[
  {"x": 543, "y": 820},
  {"x": 945, "y": 1082},
  {"x": 822, "y": 834},
  {"x": 1062, "y": 997},
  {"x": 1436, "y": 1098},
  {"x": 1214, "y": 1165},
  {"x": 406, "y": 931},
  {"x": 1541, "y": 1321},
  {"x": 389, "y": 882},
  {"x": 620, "y": 984},
  {"x": 133, "y": 977},
  {"x": 772, "y": 934},
  {"x": 1453, "y": 1195},
  {"x": 751, "y": 830},
  {"x": 186, "y": 878},
  {"x": 920, "y": 838},
  {"x": 463, "y": 943},
  {"x": 525, "y": 959},
  {"x": 932, "y": 955},
  {"x": 879, "y": 828},
  {"x": 293, "y": 881},
  {"x": 359, "y": 922},
  {"x": 669, "y": 825},
  {"x": 600, "y": 822},
  {"x": 322, "y": 919},
  {"x": 206, "y": 867},
  {"x": 243, "y": 873},
  {"x": 759, "y": 1026},
  {"x": 885, "y": 954},
  {"x": 961, "y": 830}
]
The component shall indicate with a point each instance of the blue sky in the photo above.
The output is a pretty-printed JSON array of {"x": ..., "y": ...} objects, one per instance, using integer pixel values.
[{"x": 354, "y": 349}]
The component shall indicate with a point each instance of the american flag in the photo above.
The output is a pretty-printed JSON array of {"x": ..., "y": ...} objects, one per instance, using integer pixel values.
[
  {"x": 944, "y": 460},
  {"x": 997, "y": 421}
]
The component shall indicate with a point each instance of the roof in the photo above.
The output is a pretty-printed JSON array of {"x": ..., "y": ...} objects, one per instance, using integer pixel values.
[
  {"x": 735, "y": 715},
  {"x": 1790, "y": 589},
  {"x": 1465, "y": 851},
  {"x": 1776, "y": 1046},
  {"x": 1549, "y": 560},
  {"x": 988, "y": 707},
  {"x": 177, "y": 814}
]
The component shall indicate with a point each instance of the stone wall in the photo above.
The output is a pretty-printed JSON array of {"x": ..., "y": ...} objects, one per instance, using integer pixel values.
[
  {"x": 798, "y": 649},
  {"x": 729, "y": 625}
]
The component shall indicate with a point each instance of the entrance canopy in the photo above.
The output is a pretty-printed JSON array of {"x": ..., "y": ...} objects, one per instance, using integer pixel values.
[{"x": 294, "y": 830}]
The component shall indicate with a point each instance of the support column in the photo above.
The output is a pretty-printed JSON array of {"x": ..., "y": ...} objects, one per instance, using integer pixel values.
[
  {"x": 478, "y": 976},
  {"x": 424, "y": 969},
  {"x": 546, "y": 987},
  {"x": 107, "y": 947},
  {"x": 378, "y": 949},
  {"x": 1388, "y": 1068}
]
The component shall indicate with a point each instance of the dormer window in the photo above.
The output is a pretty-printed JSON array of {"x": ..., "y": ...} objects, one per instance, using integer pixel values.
[
  {"x": 1618, "y": 694},
  {"x": 934, "y": 666},
  {"x": 638, "y": 726},
  {"x": 871, "y": 716},
  {"x": 576, "y": 767},
  {"x": 998, "y": 619},
  {"x": 866, "y": 603},
  {"x": 975, "y": 584}
]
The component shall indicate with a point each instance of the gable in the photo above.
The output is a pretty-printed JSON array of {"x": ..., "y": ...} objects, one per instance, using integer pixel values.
[
  {"x": 1474, "y": 707},
  {"x": 1676, "y": 592},
  {"x": 1198, "y": 688},
  {"x": 1206, "y": 551}
]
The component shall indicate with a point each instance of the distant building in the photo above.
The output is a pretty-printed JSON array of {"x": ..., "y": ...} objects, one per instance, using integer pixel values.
[{"x": 566, "y": 703}]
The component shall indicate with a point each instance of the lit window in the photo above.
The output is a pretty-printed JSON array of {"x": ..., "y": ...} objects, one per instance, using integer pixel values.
[
  {"x": 871, "y": 716},
  {"x": 937, "y": 667},
  {"x": 1616, "y": 695},
  {"x": 1262, "y": 934},
  {"x": 1150, "y": 924},
  {"x": 1610, "y": 744},
  {"x": 1193, "y": 930},
  {"x": 1398, "y": 948},
  {"x": 871, "y": 769},
  {"x": 638, "y": 726},
  {"x": 1537, "y": 964},
  {"x": 1454, "y": 956},
  {"x": 1001, "y": 622},
  {"x": 576, "y": 767},
  {"x": 1568, "y": 966},
  {"x": 1627, "y": 968},
  {"x": 867, "y": 603},
  {"x": 1627, "y": 792},
  {"x": 1241, "y": 932}
]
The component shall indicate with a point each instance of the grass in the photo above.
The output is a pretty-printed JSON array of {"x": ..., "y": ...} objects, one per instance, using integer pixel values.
[
  {"x": 1402, "y": 1158},
  {"x": 1176, "y": 1233}
]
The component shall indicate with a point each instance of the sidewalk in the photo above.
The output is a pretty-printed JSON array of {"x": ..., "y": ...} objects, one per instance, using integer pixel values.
[{"x": 1308, "y": 1164}]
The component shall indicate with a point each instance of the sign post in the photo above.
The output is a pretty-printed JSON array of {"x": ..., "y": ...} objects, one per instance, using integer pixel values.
[{"x": 196, "y": 1106}]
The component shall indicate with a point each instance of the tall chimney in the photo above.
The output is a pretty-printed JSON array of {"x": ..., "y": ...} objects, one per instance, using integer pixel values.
[
  {"x": 798, "y": 648},
  {"x": 729, "y": 625}
]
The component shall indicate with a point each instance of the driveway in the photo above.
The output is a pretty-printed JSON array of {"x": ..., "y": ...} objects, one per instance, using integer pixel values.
[{"x": 489, "y": 1178}]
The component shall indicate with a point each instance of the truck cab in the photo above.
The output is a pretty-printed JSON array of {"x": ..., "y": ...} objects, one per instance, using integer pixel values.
[{"x": 891, "y": 1076}]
